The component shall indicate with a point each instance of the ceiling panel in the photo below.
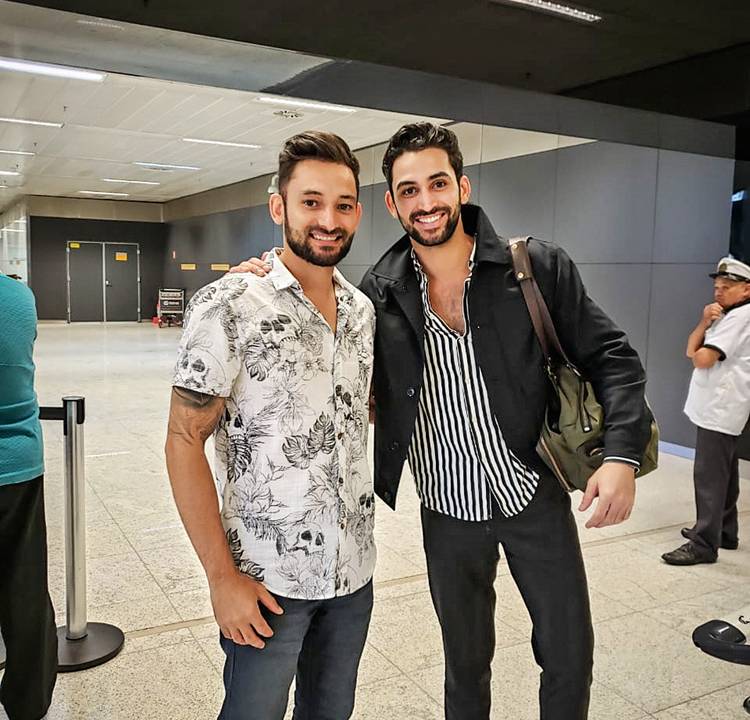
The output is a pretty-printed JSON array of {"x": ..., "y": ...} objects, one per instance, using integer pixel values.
[{"x": 109, "y": 126}]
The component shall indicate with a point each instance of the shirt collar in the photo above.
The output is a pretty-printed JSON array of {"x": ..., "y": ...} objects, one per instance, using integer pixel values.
[
  {"x": 420, "y": 270},
  {"x": 282, "y": 278}
]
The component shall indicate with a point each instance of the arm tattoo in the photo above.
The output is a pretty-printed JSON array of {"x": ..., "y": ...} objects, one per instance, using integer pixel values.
[
  {"x": 193, "y": 398},
  {"x": 194, "y": 415}
]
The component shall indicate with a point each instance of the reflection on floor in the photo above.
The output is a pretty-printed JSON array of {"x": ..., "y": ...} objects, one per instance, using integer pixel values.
[{"x": 144, "y": 577}]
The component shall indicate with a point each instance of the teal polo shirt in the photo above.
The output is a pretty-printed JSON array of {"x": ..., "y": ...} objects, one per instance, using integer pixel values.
[{"x": 21, "y": 447}]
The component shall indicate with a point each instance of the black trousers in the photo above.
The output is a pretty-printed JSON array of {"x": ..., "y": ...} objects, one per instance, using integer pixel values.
[
  {"x": 27, "y": 620},
  {"x": 716, "y": 477},
  {"x": 544, "y": 556}
]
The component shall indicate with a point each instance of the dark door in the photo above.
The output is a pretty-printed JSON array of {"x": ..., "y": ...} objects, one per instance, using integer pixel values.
[
  {"x": 85, "y": 282},
  {"x": 121, "y": 280}
]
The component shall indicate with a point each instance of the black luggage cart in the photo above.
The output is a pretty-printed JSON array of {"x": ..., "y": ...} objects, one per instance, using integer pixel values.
[{"x": 171, "y": 306}]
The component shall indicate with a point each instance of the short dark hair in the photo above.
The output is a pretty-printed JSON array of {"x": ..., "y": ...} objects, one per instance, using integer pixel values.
[
  {"x": 314, "y": 145},
  {"x": 420, "y": 136}
]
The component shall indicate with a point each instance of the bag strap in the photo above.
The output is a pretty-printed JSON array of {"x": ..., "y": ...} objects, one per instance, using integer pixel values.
[{"x": 538, "y": 310}]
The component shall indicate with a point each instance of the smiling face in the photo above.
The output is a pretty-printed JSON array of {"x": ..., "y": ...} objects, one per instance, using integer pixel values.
[
  {"x": 426, "y": 196},
  {"x": 319, "y": 211}
]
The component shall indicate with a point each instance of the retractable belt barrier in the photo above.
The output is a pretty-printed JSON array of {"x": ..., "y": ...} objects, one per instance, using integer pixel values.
[{"x": 81, "y": 644}]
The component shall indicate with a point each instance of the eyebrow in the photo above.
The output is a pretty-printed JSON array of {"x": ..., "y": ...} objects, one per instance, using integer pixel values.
[
  {"x": 317, "y": 193},
  {"x": 434, "y": 176}
]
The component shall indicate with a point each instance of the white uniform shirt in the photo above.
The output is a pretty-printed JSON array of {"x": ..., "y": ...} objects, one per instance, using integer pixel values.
[
  {"x": 719, "y": 396},
  {"x": 291, "y": 462}
]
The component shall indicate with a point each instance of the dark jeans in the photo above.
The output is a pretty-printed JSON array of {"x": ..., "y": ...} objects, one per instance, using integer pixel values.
[
  {"x": 27, "y": 619},
  {"x": 717, "y": 486},
  {"x": 318, "y": 641},
  {"x": 544, "y": 556}
]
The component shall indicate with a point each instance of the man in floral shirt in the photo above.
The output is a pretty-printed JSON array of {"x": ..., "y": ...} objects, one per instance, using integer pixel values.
[{"x": 278, "y": 370}]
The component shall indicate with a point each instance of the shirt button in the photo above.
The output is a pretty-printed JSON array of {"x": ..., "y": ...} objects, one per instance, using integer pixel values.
[
  {"x": 342, "y": 525},
  {"x": 341, "y": 436},
  {"x": 341, "y": 481},
  {"x": 411, "y": 392},
  {"x": 394, "y": 445},
  {"x": 387, "y": 496}
]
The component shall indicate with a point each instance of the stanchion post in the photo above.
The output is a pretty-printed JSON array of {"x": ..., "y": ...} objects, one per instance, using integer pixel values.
[
  {"x": 81, "y": 644},
  {"x": 75, "y": 519}
]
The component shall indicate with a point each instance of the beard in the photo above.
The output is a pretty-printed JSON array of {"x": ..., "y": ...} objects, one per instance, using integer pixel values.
[
  {"x": 414, "y": 232},
  {"x": 302, "y": 244}
]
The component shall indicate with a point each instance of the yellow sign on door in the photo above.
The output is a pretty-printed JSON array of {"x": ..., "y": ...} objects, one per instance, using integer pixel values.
[
  {"x": 222, "y": 267},
  {"x": 75, "y": 246},
  {"x": 187, "y": 266},
  {"x": 121, "y": 256}
]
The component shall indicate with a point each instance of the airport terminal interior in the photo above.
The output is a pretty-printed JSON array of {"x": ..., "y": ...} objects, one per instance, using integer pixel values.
[{"x": 138, "y": 160}]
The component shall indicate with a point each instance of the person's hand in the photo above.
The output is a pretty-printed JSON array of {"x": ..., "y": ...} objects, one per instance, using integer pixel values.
[
  {"x": 712, "y": 313},
  {"x": 236, "y": 599},
  {"x": 257, "y": 266},
  {"x": 614, "y": 484}
]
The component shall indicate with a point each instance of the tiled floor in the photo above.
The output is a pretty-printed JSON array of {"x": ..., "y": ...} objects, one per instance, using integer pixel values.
[{"x": 144, "y": 577}]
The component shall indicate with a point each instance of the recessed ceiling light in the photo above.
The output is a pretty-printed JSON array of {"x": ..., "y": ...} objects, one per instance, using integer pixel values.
[
  {"x": 223, "y": 143},
  {"x": 291, "y": 102},
  {"x": 100, "y": 23},
  {"x": 130, "y": 182},
  {"x": 16, "y": 152},
  {"x": 165, "y": 166},
  {"x": 19, "y": 121},
  {"x": 9, "y": 173},
  {"x": 289, "y": 114},
  {"x": 60, "y": 71},
  {"x": 545, "y": 6},
  {"x": 98, "y": 193}
]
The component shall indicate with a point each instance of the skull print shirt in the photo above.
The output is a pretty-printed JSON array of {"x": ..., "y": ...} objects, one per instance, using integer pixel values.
[{"x": 297, "y": 501}]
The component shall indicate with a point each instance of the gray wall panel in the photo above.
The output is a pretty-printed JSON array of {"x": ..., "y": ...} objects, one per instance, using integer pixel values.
[
  {"x": 519, "y": 194},
  {"x": 622, "y": 291},
  {"x": 359, "y": 254},
  {"x": 607, "y": 122},
  {"x": 604, "y": 210},
  {"x": 385, "y": 230},
  {"x": 693, "y": 208},
  {"x": 353, "y": 273},
  {"x": 679, "y": 293}
]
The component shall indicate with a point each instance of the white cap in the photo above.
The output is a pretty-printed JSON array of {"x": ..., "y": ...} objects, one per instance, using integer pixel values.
[{"x": 732, "y": 269}]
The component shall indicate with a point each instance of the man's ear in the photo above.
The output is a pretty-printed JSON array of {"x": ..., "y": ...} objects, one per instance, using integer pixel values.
[
  {"x": 464, "y": 185},
  {"x": 276, "y": 208},
  {"x": 391, "y": 205}
]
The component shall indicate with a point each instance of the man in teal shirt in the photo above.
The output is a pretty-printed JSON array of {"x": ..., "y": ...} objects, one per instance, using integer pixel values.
[{"x": 27, "y": 620}]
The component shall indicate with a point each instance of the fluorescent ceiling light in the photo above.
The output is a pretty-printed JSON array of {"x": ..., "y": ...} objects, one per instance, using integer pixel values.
[
  {"x": 19, "y": 121},
  {"x": 556, "y": 9},
  {"x": 9, "y": 173},
  {"x": 16, "y": 152},
  {"x": 163, "y": 166},
  {"x": 60, "y": 71},
  {"x": 100, "y": 23},
  {"x": 130, "y": 182},
  {"x": 107, "y": 194},
  {"x": 291, "y": 102},
  {"x": 223, "y": 143}
]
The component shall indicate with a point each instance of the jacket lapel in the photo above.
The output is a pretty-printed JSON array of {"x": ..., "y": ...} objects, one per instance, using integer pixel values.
[{"x": 407, "y": 295}]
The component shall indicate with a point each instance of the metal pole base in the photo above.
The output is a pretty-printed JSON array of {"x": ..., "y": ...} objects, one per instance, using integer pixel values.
[{"x": 101, "y": 644}]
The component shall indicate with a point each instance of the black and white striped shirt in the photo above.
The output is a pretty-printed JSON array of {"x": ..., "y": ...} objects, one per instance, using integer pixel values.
[{"x": 457, "y": 454}]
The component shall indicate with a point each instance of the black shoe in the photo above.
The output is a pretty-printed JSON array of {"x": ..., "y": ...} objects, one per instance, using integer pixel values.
[
  {"x": 687, "y": 554},
  {"x": 725, "y": 544}
]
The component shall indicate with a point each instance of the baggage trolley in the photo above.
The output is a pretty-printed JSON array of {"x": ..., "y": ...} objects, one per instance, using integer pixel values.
[{"x": 171, "y": 306}]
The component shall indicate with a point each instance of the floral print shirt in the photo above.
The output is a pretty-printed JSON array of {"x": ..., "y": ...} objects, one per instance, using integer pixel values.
[{"x": 291, "y": 449}]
